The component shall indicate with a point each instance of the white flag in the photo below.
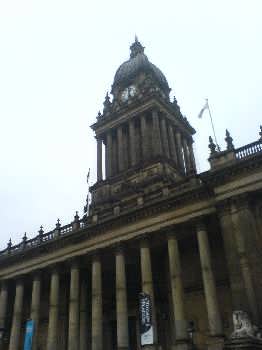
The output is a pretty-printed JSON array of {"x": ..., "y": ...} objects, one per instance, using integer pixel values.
[{"x": 203, "y": 109}]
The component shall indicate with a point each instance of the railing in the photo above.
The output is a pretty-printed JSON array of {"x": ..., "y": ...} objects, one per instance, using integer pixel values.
[
  {"x": 41, "y": 238},
  {"x": 249, "y": 150}
]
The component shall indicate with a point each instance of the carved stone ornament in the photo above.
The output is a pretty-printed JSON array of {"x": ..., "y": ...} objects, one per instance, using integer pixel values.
[{"x": 243, "y": 327}]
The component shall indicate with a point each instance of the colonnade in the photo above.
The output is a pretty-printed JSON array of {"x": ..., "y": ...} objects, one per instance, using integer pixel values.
[
  {"x": 77, "y": 317},
  {"x": 142, "y": 139}
]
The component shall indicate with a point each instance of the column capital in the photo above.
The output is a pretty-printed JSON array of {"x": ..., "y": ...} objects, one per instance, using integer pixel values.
[
  {"x": 54, "y": 268},
  {"x": 96, "y": 255},
  {"x": 36, "y": 274},
  {"x": 144, "y": 241},
  {"x": 199, "y": 222},
  {"x": 4, "y": 284},
  {"x": 74, "y": 261},
  {"x": 241, "y": 201},
  {"x": 19, "y": 279},
  {"x": 119, "y": 247},
  {"x": 223, "y": 207},
  {"x": 171, "y": 235}
]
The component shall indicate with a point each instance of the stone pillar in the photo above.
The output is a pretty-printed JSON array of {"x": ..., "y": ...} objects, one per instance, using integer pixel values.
[
  {"x": 121, "y": 300},
  {"x": 17, "y": 316},
  {"x": 99, "y": 160},
  {"x": 164, "y": 138},
  {"x": 213, "y": 313},
  {"x": 73, "y": 320},
  {"x": 177, "y": 291},
  {"x": 53, "y": 310},
  {"x": 3, "y": 307},
  {"x": 132, "y": 142},
  {"x": 156, "y": 139},
  {"x": 114, "y": 165},
  {"x": 120, "y": 149},
  {"x": 186, "y": 156},
  {"x": 97, "y": 307},
  {"x": 147, "y": 280},
  {"x": 35, "y": 306},
  {"x": 191, "y": 155},
  {"x": 108, "y": 154},
  {"x": 144, "y": 138},
  {"x": 179, "y": 151},
  {"x": 171, "y": 139},
  {"x": 239, "y": 300},
  {"x": 83, "y": 315},
  {"x": 243, "y": 227}
]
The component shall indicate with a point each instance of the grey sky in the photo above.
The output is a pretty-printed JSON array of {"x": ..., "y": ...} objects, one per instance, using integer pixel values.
[{"x": 57, "y": 61}]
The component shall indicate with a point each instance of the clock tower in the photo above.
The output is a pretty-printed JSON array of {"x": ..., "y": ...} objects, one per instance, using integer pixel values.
[{"x": 147, "y": 141}]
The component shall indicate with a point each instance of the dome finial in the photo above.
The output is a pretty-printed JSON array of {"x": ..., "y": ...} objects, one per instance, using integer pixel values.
[{"x": 136, "y": 48}]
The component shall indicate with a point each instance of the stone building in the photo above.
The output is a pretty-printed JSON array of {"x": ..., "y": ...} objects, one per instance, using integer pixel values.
[{"x": 191, "y": 242}]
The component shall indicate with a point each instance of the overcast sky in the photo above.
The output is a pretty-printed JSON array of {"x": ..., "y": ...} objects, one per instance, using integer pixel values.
[{"x": 57, "y": 61}]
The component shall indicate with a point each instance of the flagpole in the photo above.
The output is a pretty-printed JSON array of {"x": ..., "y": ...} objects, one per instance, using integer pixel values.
[{"x": 213, "y": 128}]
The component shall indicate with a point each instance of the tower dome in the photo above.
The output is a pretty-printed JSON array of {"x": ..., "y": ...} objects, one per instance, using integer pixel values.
[{"x": 137, "y": 63}]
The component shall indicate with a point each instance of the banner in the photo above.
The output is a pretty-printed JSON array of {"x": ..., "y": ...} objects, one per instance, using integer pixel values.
[
  {"x": 29, "y": 332},
  {"x": 146, "y": 327}
]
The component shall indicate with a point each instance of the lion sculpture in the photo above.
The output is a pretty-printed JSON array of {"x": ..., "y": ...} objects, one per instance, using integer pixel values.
[{"x": 243, "y": 327}]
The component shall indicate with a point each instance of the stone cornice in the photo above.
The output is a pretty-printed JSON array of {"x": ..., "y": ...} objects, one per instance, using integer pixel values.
[
  {"x": 137, "y": 108},
  {"x": 151, "y": 209},
  {"x": 222, "y": 175}
]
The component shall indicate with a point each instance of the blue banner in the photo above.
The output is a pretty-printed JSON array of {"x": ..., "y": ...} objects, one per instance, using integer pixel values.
[{"x": 29, "y": 333}]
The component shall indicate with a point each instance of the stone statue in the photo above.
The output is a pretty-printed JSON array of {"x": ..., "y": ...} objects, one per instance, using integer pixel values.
[{"x": 243, "y": 327}]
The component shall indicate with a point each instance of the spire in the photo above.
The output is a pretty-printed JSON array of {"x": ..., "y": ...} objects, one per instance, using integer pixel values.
[
  {"x": 260, "y": 133},
  {"x": 229, "y": 141},
  {"x": 107, "y": 104},
  {"x": 136, "y": 48},
  {"x": 212, "y": 146}
]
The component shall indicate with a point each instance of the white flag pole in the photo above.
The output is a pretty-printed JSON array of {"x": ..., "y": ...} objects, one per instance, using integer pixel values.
[{"x": 213, "y": 128}]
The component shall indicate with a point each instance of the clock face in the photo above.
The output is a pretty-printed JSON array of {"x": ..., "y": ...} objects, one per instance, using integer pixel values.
[
  {"x": 130, "y": 91},
  {"x": 124, "y": 95}
]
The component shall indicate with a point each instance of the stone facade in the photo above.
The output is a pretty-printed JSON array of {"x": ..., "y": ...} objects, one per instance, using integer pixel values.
[{"x": 191, "y": 241}]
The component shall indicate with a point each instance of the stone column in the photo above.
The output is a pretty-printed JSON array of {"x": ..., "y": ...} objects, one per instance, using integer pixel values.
[
  {"x": 121, "y": 300},
  {"x": 120, "y": 148},
  {"x": 164, "y": 137},
  {"x": 108, "y": 154},
  {"x": 243, "y": 230},
  {"x": 186, "y": 156},
  {"x": 177, "y": 290},
  {"x": 3, "y": 307},
  {"x": 171, "y": 139},
  {"x": 114, "y": 166},
  {"x": 53, "y": 310},
  {"x": 35, "y": 306},
  {"x": 144, "y": 138},
  {"x": 99, "y": 160},
  {"x": 179, "y": 151},
  {"x": 156, "y": 139},
  {"x": 191, "y": 155},
  {"x": 73, "y": 321},
  {"x": 147, "y": 279},
  {"x": 239, "y": 300},
  {"x": 17, "y": 316},
  {"x": 132, "y": 142},
  {"x": 213, "y": 313},
  {"x": 97, "y": 307},
  {"x": 83, "y": 315}
]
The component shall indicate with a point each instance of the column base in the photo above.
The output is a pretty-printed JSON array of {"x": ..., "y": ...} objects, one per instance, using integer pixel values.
[
  {"x": 152, "y": 347},
  {"x": 248, "y": 343},
  {"x": 215, "y": 343},
  {"x": 182, "y": 345}
]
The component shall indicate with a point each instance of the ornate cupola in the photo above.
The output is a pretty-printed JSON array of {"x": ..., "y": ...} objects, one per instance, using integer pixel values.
[{"x": 147, "y": 141}]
